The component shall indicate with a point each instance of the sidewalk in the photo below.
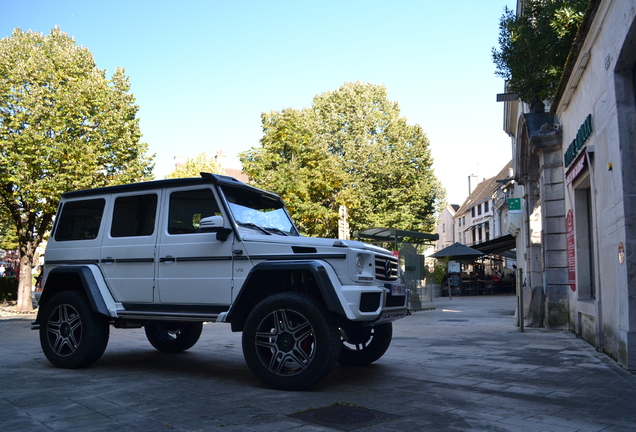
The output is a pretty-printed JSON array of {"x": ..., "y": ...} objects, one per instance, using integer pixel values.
[
  {"x": 9, "y": 310},
  {"x": 463, "y": 366}
]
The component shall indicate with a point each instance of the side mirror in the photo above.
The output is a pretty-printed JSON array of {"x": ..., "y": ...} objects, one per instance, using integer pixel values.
[{"x": 215, "y": 224}]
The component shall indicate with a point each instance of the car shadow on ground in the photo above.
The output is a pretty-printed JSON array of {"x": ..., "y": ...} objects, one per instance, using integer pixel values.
[{"x": 224, "y": 363}]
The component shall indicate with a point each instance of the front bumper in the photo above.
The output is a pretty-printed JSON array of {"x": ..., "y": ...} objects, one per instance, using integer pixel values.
[{"x": 376, "y": 304}]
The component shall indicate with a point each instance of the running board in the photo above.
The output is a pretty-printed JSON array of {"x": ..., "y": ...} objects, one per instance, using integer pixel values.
[{"x": 167, "y": 316}]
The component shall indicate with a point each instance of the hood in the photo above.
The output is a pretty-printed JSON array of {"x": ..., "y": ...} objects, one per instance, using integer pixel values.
[{"x": 318, "y": 243}]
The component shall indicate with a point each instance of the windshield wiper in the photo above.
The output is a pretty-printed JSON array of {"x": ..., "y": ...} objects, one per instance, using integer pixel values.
[
  {"x": 256, "y": 227},
  {"x": 276, "y": 230}
]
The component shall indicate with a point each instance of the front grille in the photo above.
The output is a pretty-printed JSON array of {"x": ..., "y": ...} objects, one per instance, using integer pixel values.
[{"x": 386, "y": 268}]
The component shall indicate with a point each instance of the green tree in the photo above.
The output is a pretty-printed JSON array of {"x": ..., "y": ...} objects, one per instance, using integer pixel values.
[
  {"x": 534, "y": 47},
  {"x": 8, "y": 239},
  {"x": 63, "y": 125},
  {"x": 350, "y": 148},
  {"x": 193, "y": 167}
]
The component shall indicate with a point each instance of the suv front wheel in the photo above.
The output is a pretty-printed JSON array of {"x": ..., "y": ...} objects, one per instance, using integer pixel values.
[
  {"x": 290, "y": 342},
  {"x": 72, "y": 335}
]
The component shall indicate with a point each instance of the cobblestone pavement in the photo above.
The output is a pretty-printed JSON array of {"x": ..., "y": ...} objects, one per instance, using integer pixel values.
[{"x": 461, "y": 367}]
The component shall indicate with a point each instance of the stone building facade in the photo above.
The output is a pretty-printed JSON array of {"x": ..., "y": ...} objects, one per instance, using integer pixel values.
[{"x": 576, "y": 240}]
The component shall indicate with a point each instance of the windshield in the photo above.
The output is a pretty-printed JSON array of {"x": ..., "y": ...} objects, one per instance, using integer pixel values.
[{"x": 259, "y": 212}]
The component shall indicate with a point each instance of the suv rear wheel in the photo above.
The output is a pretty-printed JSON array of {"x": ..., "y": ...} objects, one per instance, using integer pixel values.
[
  {"x": 72, "y": 335},
  {"x": 289, "y": 342},
  {"x": 173, "y": 336}
]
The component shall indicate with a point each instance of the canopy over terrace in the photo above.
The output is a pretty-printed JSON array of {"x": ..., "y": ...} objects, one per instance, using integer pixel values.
[
  {"x": 395, "y": 236},
  {"x": 501, "y": 246}
]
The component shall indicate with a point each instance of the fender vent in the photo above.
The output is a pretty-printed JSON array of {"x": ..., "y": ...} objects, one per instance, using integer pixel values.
[{"x": 303, "y": 250}]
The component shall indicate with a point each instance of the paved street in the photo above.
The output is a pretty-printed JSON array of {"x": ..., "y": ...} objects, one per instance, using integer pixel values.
[{"x": 461, "y": 367}]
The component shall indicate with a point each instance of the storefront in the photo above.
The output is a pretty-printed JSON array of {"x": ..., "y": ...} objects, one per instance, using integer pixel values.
[
  {"x": 598, "y": 112},
  {"x": 576, "y": 165}
]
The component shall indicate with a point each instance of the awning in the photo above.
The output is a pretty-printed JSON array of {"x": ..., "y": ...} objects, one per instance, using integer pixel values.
[
  {"x": 497, "y": 246},
  {"x": 393, "y": 235}
]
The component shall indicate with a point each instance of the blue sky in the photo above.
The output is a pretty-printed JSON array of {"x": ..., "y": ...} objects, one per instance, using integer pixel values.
[{"x": 204, "y": 71}]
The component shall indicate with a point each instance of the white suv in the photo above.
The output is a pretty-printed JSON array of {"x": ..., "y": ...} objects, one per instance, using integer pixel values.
[{"x": 169, "y": 255}]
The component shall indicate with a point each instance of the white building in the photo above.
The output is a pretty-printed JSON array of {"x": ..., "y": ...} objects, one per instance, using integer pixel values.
[
  {"x": 446, "y": 228},
  {"x": 576, "y": 237},
  {"x": 482, "y": 221},
  {"x": 478, "y": 219}
]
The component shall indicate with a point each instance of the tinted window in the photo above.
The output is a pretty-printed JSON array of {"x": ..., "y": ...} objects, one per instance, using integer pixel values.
[
  {"x": 134, "y": 216},
  {"x": 187, "y": 208},
  {"x": 80, "y": 220}
]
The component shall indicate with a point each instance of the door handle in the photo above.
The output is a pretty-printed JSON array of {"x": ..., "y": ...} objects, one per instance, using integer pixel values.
[
  {"x": 167, "y": 259},
  {"x": 108, "y": 260}
]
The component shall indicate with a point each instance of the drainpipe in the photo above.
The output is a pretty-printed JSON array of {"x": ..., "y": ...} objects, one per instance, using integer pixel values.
[
  {"x": 528, "y": 255},
  {"x": 600, "y": 337}
]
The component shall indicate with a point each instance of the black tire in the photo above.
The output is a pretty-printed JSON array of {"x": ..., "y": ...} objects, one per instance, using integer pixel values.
[
  {"x": 290, "y": 342},
  {"x": 173, "y": 336},
  {"x": 364, "y": 345},
  {"x": 72, "y": 335}
]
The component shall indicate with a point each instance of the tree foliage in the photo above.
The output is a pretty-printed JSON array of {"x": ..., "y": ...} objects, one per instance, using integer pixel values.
[
  {"x": 196, "y": 165},
  {"x": 534, "y": 46},
  {"x": 63, "y": 125},
  {"x": 8, "y": 238},
  {"x": 350, "y": 148}
]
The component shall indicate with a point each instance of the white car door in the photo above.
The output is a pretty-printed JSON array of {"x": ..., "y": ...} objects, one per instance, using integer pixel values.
[
  {"x": 128, "y": 248},
  {"x": 193, "y": 267}
]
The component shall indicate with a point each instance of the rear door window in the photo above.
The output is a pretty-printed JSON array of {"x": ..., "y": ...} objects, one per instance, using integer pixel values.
[{"x": 134, "y": 216}]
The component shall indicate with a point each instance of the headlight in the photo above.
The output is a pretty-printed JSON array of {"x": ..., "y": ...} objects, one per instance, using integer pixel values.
[{"x": 359, "y": 264}]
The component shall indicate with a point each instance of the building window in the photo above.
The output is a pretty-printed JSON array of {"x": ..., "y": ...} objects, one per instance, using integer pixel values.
[
  {"x": 479, "y": 210},
  {"x": 473, "y": 211},
  {"x": 486, "y": 207},
  {"x": 487, "y": 229}
]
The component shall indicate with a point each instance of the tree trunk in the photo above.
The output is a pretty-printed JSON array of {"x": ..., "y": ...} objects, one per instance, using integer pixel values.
[
  {"x": 25, "y": 303},
  {"x": 537, "y": 105}
]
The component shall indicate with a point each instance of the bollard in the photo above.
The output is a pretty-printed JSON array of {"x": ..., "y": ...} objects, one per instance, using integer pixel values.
[{"x": 519, "y": 283}]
